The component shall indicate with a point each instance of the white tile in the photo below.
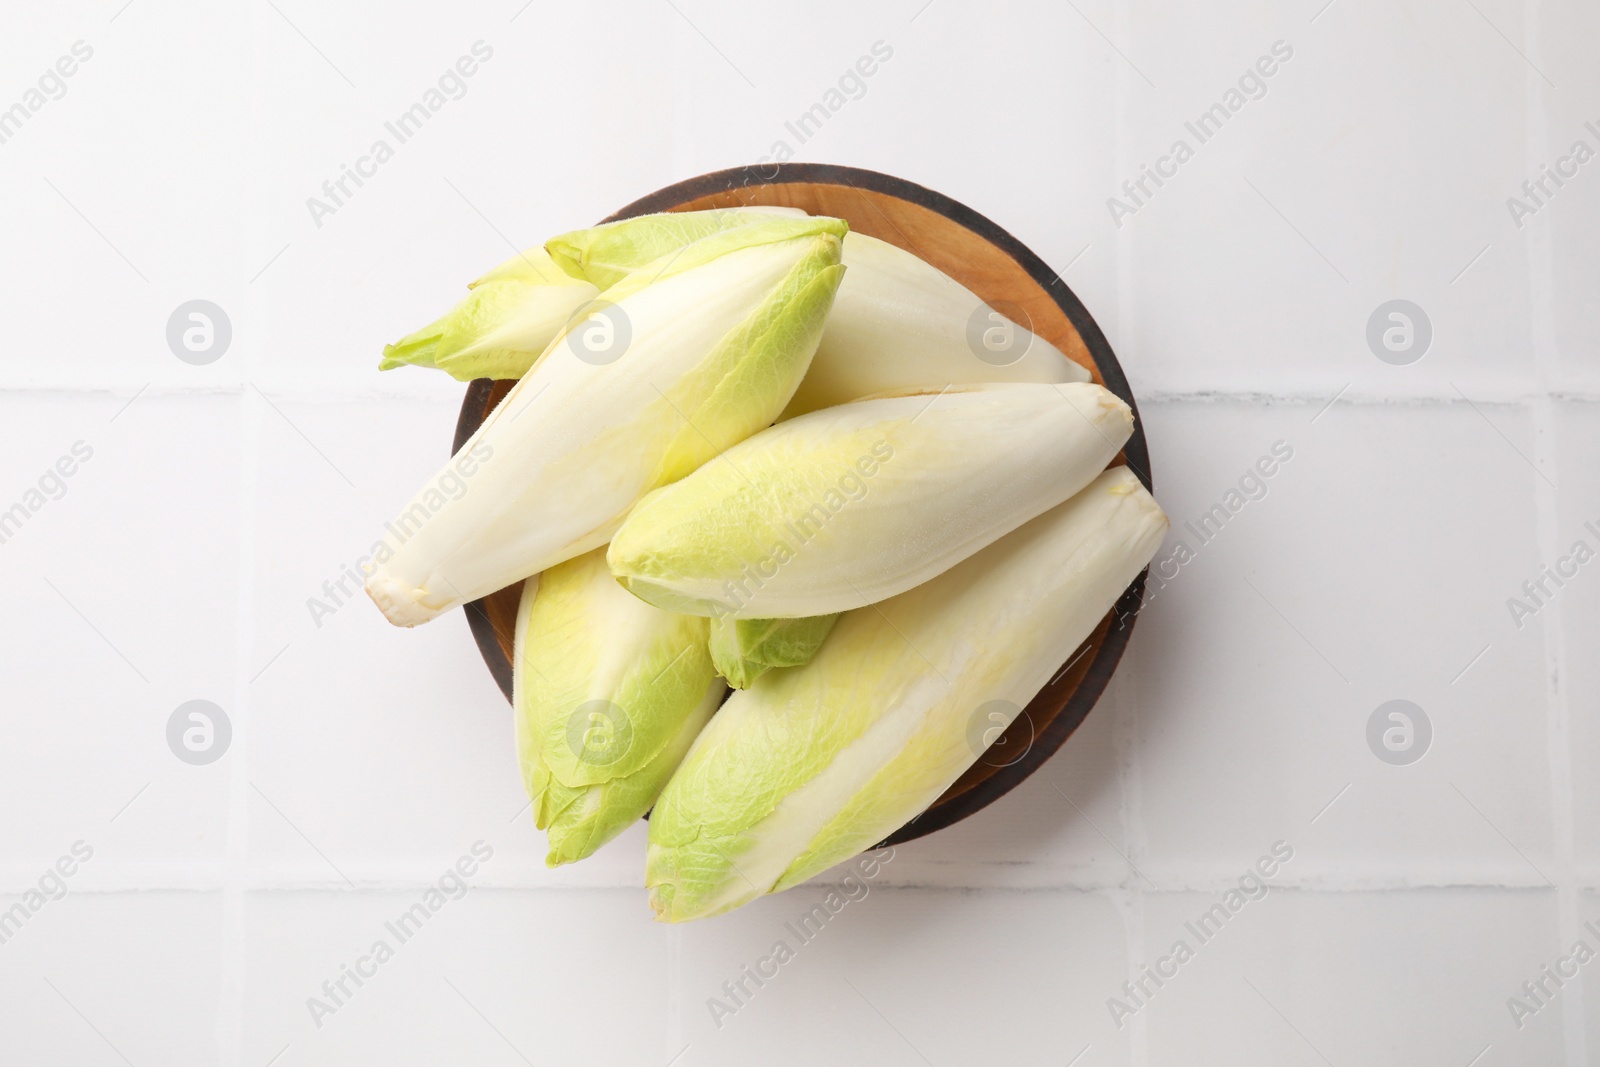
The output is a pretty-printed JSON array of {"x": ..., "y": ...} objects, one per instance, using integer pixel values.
[
  {"x": 123, "y": 595},
  {"x": 1576, "y": 606},
  {"x": 130, "y": 190},
  {"x": 1374, "y": 569},
  {"x": 458, "y": 196},
  {"x": 1565, "y": 222},
  {"x": 120, "y": 978},
  {"x": 488, "y": 976},
  {"x": 1588, "y": 911},
  {"x": 1371, "y": 978},
  {"x": 903, "y": 976},
  {"x": 1362, "y": 194}
]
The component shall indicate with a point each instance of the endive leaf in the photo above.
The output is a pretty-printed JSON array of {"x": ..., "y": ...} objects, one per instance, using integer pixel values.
[
  {"x": 499, "y": 328},
  {"x": 607, "y": 253},
  {"x": 745, "y": 649}
]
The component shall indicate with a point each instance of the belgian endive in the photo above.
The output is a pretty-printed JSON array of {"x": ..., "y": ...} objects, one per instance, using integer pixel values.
[
  {"x": 853, "y": 504},
  {"x": 811, "y": 766},
  {"x": 509, "y": 317},
  {"x": 609, "y": 692},
  {"x": 678, "y": 361},
  {"x": 898, "y": 322}
]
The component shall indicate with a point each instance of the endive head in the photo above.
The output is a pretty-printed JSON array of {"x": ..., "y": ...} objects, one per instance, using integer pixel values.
[
  {"x": 499, "y": 328},
  {"x": 608, "y": 695},
  {"x": 811, "y": 765},
  {"x": 853, "y": 504}
]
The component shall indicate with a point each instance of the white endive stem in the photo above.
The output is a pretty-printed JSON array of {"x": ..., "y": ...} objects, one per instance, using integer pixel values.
[
  {"x": 853, "y": 504},
  {"x": 900, "y": 323},
  {"x": 812, "y": 765},
  {"x": 679, "y": 361}
]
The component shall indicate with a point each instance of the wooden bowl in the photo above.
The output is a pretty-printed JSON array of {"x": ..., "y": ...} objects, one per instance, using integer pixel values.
[{"x": 996, "y": 266}]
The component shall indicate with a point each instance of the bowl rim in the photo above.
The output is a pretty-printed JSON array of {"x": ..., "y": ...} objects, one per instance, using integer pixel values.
[{"x": 944, "y": 811}]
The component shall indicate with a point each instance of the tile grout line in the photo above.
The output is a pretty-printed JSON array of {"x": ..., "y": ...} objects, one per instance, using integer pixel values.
[
  {"x": 1558, "y": 725},
  {"x": 230, "y": 993},
  {"x": 1132, "y": 899},
  {"x": 1125, "y": 735},
  {"x": 1212, "y": 884},
  {"x": 1546, "y": 451},
  {"x": 1305, "y": 395}
]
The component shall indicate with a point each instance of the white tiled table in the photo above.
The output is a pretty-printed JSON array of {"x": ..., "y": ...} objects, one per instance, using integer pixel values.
[{"x": 365, "y": 760}]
